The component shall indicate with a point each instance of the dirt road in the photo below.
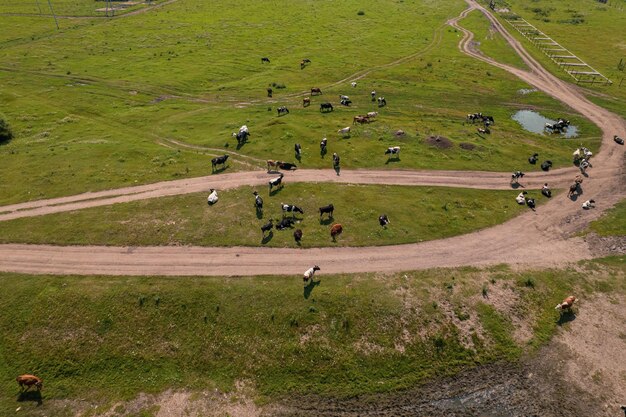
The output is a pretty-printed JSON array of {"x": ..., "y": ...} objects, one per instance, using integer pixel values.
[{"x": 541, "y": 238}]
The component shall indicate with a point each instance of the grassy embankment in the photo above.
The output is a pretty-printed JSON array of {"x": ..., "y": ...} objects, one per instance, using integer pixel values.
[
  {"x": 92, "y": 104},
  {"x": 103, "y": 339},
  {"x": 416, "y": 213},
  {"x": 612, "y": 223}
]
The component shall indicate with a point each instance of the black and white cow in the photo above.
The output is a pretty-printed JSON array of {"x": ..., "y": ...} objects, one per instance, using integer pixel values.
[
  {"x": 533, "y": 159},
  {"x": 285, "y": 223},
  {"x": 282, "y": 110},
  {"x": 323, "y": 144},
  {"x": 267, "y": 227},
  {"x": 383, "y": 220},
  {"x": 278, "y": 181},
  {"x": 382, "y": 102},
  {"x": 298, "y": 150},
  {"x": 393, "y": 151},
  {"x": 258, "y": 201},
  {"x": 290, "y": 208}
]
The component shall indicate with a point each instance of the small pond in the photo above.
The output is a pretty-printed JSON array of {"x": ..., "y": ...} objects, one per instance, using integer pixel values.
[{"x": 535, "y": 122}]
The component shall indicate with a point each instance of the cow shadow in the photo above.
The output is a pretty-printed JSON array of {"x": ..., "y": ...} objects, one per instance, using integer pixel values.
[
  {"x": 574, "y": 197},
  {"x": 392, "y": 160},
  {"x": 338, "y": 170},
  {"x": 566, "y": 317},
  {"x": 323, "y": 153},
  {"x": 241, "y": 145},
  {"x": 326, "y": 221},
  {"x": 299, "y": 158},
  {"x": 218, "y": 170},
  {"x": 275, "y": 191},
  {"x": 31, "y": 396},
  {"x": 259, "y": 213},
  {"x": 309, "y": 289},
  {"x": 267, "y": 238},
  {"x": 516, "y": 185}
]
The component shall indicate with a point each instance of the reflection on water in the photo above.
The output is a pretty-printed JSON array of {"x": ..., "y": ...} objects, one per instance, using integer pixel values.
[{"x": 536, "y": 123}]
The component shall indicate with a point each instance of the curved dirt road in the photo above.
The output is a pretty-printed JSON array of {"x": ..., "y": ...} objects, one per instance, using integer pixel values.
[{"x": 539, "y": 238}]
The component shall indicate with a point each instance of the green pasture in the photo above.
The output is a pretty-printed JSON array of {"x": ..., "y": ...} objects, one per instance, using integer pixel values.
[
  {"x": 612, "y": 223},
  {"x": 416, "y": 214},
  {"x": 100, "y": 103},
  {"x": 104, "y": 339}
]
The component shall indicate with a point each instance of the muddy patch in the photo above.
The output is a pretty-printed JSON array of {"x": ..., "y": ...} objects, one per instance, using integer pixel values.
[
  {"x": 439, "y": 142},
  {"x": 467, "y": 146}
]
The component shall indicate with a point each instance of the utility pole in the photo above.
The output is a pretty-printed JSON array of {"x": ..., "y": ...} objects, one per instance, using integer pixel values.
[{"x": 53, "y": 15}]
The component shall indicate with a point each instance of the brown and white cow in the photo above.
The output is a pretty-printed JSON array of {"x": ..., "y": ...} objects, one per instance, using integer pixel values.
[
  {"x": 29, "y": 381},
  {"x": 566, "y": 304}
]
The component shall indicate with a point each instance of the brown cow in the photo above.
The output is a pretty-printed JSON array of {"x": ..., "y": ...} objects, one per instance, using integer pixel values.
[
  {"x": 566, "y": 304},
  {"x": 335, "y": 231},
  {"x": 29, "y": 381},
  {"x": 315, "y": 91},
  {"x": 360, "y": 119}
]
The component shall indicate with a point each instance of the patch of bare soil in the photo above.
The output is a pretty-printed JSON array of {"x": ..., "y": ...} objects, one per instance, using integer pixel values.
[
  {"x": 467, "y": 146},
  {"x": 606, "y": 245},
  {"x": 440, "y": 142}
]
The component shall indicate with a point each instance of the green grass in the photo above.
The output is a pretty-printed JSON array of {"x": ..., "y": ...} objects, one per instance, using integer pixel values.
[
  {"x": 188, "y": 220},
  {"x": 93, "y": 104},
  {"x": 612, "y": 223},
  {"x": 105, "y": 339}
]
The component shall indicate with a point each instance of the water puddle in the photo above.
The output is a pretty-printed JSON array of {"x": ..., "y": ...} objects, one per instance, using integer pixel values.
[{"x": 536, "y": 123}]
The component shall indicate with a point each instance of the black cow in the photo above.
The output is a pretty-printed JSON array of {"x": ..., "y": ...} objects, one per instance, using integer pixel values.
[
  {"x": 533, "y": 159},
  {"x": 329, "y": 209},
  {"x": 383, "y": 220},
  {"x": 220, "y": 160},
  {"x": 297, "y": 235},
  {"x": 287, "y": 166},
  {"x": 326, "y": 107},
  {"x": 323, "y": 144},
  {"x": 546, "y": 165},
  {"x": 276, "y": 181},
  {"x": 619, "y": 140},
  {"x": 530, "y": 202},
  {"x": 298, "y": 149},
  {"x": 382, "y": 102},
  {"x": 264, "y": 59},
  {"x": 267, "y": 227},
  {"x": 285, "y": 223}
]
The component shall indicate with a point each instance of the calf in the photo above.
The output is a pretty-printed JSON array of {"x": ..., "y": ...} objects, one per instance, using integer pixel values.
[
  {"x": 383, "y": 220},
  {"x": 297, "y": 236},
  {"x": 329, "y": 209},
  {"x": 323, "y": 144},
  {"x": 278, "y": 181},
  {"x": 285, "y": 223},
  {"x": 393, "y": 151},
  {"x": 290, "y": 208},
  {"x": 282, "y": 110},
  {"x": 267, "y": 227},
  {"x": 335, "y": 231},
  {"x": 29, "y": 381},
  {"x": 566, "y": 304},
  {"x": 220, "y": 160}
]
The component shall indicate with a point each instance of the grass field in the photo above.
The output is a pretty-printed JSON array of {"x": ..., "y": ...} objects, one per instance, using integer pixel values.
[
  {"x": 612, "y": 223},
  {"x": 104, "y": 339},
  {"x": 98, "y": 114},
  {"x": 416, "y": 213}
]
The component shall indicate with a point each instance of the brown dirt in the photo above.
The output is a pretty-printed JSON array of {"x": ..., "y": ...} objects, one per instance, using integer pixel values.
[
  {"x": 440, "y": 142},
  {"x": 467, "y": 146}
]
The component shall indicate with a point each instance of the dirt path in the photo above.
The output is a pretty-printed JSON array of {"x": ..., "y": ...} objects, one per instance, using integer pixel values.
[{"x": 539, "y": 238}]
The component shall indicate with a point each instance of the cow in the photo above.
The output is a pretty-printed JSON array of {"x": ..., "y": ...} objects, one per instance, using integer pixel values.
[
  {"x": 484, "y": 131},
  {"x": 285, "y": 223},
  {"x": 619, "y": 140},
  {"x": 521, "y": 198},
  {"x": 267, "y": 227},
  {"x": 269, "y": 92},
  {"x": 298, "y": 150},
  {"x": 383, "y": 220},
  {"x": 29, "y": 381},
  {"x": 516, "y": 176},
  {"x": 258, "y": 201},
  {"x": 566, "y": 304},
  {"x": 342, "y": 97},
  {"x": 335, "y": 160},
  {"x": 584, "y": 164},
  {"x": 220, "y": 160},
  {"x": 345, "y": 131},
  {"x": 360, "y": 120},
  {"x": 265, "y": 59},
  {"x": 345, "y": 102},
  {"x": 533, "y": 159},
  {"x": 304, "y": 62},
  {"x": 212, "y": 199},
  {"x": 393, "y": 151},
  {"x": 306, "y": 101},
  {"x": 315, "y": 91},
  {"x": 278, "y": 181},
  {"x": 290, "y": 208},
  {"x": 545, "y": 190},
  {"x": 372, "y": 114},
  {"x": 335, "y": 230},
  {"x": 309, "y": 274},
  {"x": 382, "y": 102},
  {"x": 589, "y": 204},
  {"x": 488, "y": 120},
  {"x": 323, "y": 145},
  {"x": 574, "y": 189},
  {"x": 546, "y": 165},
  {"x": 373, "y": 95},
  {"x": 272, "y": 165},
  {"x": 329, "y": 209},
  {"x": 353, "y": 84},
  {"x": 287, "y": 166},
  {"x": 282, "y": 110},
  {"x": 326, "y": 107},
  {"x": 530, "y": 202},
  {"x": 297, "y": 235}
]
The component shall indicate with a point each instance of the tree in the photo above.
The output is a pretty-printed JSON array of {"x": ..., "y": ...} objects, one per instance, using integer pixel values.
[{"x": 5, "y": 131}]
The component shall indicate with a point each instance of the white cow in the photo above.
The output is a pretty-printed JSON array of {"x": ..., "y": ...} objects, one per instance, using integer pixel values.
[
  {"x": 345, "y": 131},
  {"x": 212, "y": 199},
  {"x": 309, "y": 274},
  {"x": 372, "y": 114}
]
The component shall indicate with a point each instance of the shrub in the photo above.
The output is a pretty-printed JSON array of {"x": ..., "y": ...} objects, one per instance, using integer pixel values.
[
  {"x": 360, "y": 13},
  {"x": 6, "y": 134}
]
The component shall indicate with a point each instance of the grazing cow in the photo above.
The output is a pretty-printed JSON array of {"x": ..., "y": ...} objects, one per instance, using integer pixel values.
[
  {"x": 545, "y": 190},
  {"x": 345, "y": 102},
  {"x": 619, "y": 140},
  {"x": 546, "y": 165},
  {"x": 484, "y": 131},
  {"x": 530, "y": 202},
  {"x": 326, "y": 107},
  {"x": 345, "y": 131},
  {"x": 533, "y": 159},
  {"x": 282, "y": 110},
  {"x": 297, "y": 235},
  {"x": 329, "y": 209},
  {"x": 242, "y": 135},
  {"x": 306, "y": 60},
  {"x": 315, "y": 91},
  {"x": 306, "y": 102},
  {"x": 309, "y": 274},
  {"x": 290, "y": 208},
  {"x": 557, "y": 127},
  {"x": 212, "y": 199},
  {"x": 270, "y": 92},
  {"x": 220, "y": 160},
  {"x": 335, "y": 231},
  {"x": 323, "y": 144},
  {"x": 584, "y": 164},
  {"x": 382, "y": 102},
  {"x": 335, "y": 160},
  {"x": 267, "y": 227},
  {"x": 383, "y": 220},
  {"x": 258, "y": 201},
  {"x": 29, "y": 381},
  {"x": 285, "y": 223},
  {"x": 566, "y": 304},
  {"x": 393, "y": 151},
  {"x": 298, "y": 150},
  {"x": 516, "y": 176},
  {"x": 360, "y": 120},
  {"x": 278, "y": 181},
  {"x": 573, "y": 189},
  {"x": 589, "y": 204},
  {"x": 287, "y": 166},
  {"x": 521, "y": 198},
  {"x": 373, "y": 95},
  {"x": 353, "y": 84},
  {"x": 372, "y": 114},
  {"x": 488, "y": 120},
  {"x": 272, "y": 165},
  {"x": 264, "y": 59},
  {"x": 342, "y": 97}
]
